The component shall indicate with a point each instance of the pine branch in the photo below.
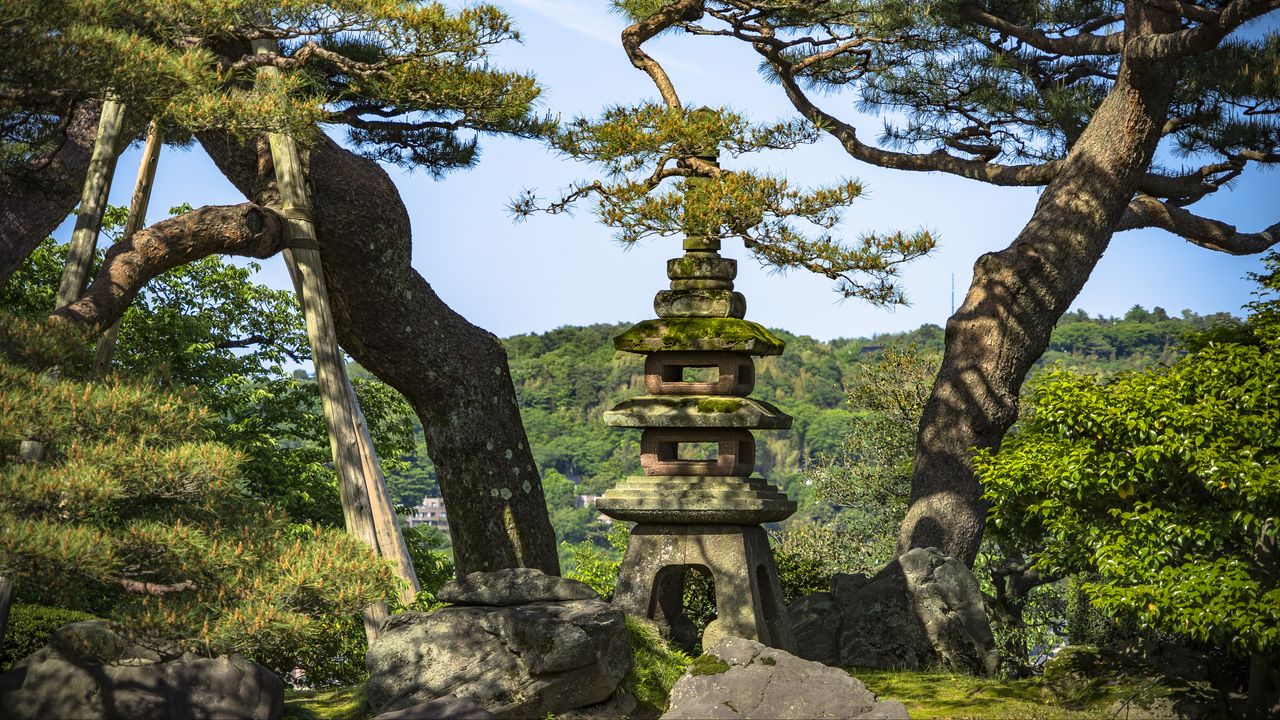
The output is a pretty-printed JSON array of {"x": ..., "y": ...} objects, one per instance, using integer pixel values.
[
  {"x": 1073, "y": 45},
  {"x": 247, "y": 230},
  {"x": 1212, "y": 30},
  {"x": 1145, "y": 211}
]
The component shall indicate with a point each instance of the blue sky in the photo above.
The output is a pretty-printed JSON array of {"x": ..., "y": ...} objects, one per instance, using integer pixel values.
[{"x": 550, "y": 271}]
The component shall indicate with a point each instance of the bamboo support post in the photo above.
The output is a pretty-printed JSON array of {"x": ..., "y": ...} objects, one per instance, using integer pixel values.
[
  {"x": 365, "y": 505},
  {"x": 93, "y": 201},
  {"x": 137, "y": 218}
]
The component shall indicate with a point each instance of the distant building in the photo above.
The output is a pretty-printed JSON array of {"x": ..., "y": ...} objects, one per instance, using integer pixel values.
[
  {"x": 589, "y": 501},
  {"x": 430, "y": 512}
]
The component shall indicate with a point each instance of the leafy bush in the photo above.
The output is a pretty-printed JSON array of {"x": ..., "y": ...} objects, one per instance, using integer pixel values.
[
  {"x": 29, "y": 628},
  {"x": 1161, "y": 485}
]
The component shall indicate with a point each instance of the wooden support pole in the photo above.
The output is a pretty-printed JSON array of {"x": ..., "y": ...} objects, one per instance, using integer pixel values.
[
  {"x": 137, "y": 218},
  {"x": 365, "y": 507},
  {"x": 93, "y": 202}
]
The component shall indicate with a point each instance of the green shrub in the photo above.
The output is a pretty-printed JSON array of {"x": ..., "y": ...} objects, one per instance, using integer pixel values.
[
  {"x": 134, "y": 506},
  {"x": 29, "y": 629}
]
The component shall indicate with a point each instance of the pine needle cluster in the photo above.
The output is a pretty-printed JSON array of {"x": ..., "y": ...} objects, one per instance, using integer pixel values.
[
  {"x": 136, "y": 514},
  {"x": 404, "y": 78}
]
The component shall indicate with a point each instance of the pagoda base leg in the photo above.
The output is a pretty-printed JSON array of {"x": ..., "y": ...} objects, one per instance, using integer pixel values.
[{"x": 740, "y": 562}]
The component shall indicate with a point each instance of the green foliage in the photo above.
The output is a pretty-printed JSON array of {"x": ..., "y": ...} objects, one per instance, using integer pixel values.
[
  {"x": 871, "y": 474},
  {"x": 596, "y": 566},
  {"x": 135, "y": 506},
  {"x": 640, "y": 148},
  {"x": 1162, "y": 485},
  {"x": 656, "y": 667},
  {"x": 207, "y": 326},
  {"x": 432, "y": 566},
  {"x": 410, "y": 82},
  {"x": 30, "y": 627}
]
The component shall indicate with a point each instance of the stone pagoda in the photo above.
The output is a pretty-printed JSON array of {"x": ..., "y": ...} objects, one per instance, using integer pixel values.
[{"x": 702, "y": 513}]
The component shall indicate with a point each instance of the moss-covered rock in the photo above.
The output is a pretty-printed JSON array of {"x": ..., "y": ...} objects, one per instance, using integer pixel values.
[{"x": 699, "y": 334}]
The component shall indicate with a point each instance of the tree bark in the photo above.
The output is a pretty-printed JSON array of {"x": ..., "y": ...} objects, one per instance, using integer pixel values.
[
  {"x": 36, "y": 198},
  {"x": 453, "y": 373},
  {"x": 246, "y": 229},
  {"x": 1018, "y": 294}
]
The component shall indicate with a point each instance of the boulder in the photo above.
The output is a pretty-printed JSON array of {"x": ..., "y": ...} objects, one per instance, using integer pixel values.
[
  {"x": 449, "y": 707},
  {"x": 517, "y": 661},
  {"x": 513, "y": 586},
  {"x": 743, "y": 679},
  {"x": 921, "y": 611},
  {"x": 87, "y": 670}
]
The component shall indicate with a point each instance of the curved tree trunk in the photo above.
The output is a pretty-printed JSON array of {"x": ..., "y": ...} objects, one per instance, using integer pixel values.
[
  {"x": 1018, "y": 294},
  {"x": 36, "y": 198},
  {"x": 453, "y": 373}
]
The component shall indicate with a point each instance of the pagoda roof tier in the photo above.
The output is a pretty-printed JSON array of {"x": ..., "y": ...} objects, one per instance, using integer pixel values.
[
  {"x": 696, "y": 411},
  {"x": 699, "y": 334},
  {"x": 696, "y": 500}
]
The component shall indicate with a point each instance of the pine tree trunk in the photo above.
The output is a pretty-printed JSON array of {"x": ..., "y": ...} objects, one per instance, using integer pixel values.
[
  {"x": 37, "y": 196},
  {"x": 353, "y": 453},
  {"x": 137, "y": 218},
  {"x": 1018, "y": 294},
  {"x": 453, "y": 373},
  {"x": 93, "y": 201}
]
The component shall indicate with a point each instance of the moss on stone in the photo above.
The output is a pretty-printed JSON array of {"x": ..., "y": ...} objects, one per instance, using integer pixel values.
[
  {"x": 708, "y": 665},
  {"x": 698, "y": 333},
  {"x": 719, "y": 404},
  {"x": 768, "y": 661}
]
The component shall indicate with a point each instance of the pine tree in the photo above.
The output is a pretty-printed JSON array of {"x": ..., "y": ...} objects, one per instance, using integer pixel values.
[
  {"x": 136, "y": 514},
  {"x": 411, "y": 84},
  {"x": 1073, "y": 96}
]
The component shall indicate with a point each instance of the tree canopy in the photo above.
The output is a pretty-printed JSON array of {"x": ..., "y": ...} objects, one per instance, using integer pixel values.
[{"x": 1162, "y": 487}]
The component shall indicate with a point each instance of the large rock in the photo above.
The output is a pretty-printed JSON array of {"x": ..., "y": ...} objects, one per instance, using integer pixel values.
[
  {"x": 923, "y": 610},
  {"x": 743, "y": 679},
  {"x": 89, "y": 671},
  {"x": 513, "y": 586},
  {"x": 449, "y": 707},
  {"x": 517, "y": 661}
]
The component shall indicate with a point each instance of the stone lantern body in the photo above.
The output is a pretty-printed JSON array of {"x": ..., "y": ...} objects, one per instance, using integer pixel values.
[{"x": 700, "y": 513}]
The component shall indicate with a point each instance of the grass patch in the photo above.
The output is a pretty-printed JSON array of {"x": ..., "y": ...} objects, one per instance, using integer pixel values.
[
  {"x": 347, "y": 703},
  {"x": 656, "y": 668},
  {"x": 943, "y": 695}
]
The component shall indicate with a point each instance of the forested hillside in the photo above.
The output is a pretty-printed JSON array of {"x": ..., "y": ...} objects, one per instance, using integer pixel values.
[{"x": 566, "y": 378}]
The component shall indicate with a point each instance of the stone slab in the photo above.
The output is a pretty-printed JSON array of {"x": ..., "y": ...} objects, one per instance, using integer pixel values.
[
  {"x": 699, "y": 334},
  {"x": 759, "y": 682},
  {"x": 678, "y": 499},
  {"x": 696, "y": 411},
  {"x": 512, "y": 586}
]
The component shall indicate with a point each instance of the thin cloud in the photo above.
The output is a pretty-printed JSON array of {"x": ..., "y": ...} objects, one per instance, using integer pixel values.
[
  {"x": 576, "y": 16},
  {"x": 601, "y": 26}
]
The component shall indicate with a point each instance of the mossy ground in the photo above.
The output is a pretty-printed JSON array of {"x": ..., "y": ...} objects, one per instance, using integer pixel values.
[
  {"x": 346, "y": 703},
  {"x": 926, "y": 694},
  {"x": 942, "y": 695}
]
